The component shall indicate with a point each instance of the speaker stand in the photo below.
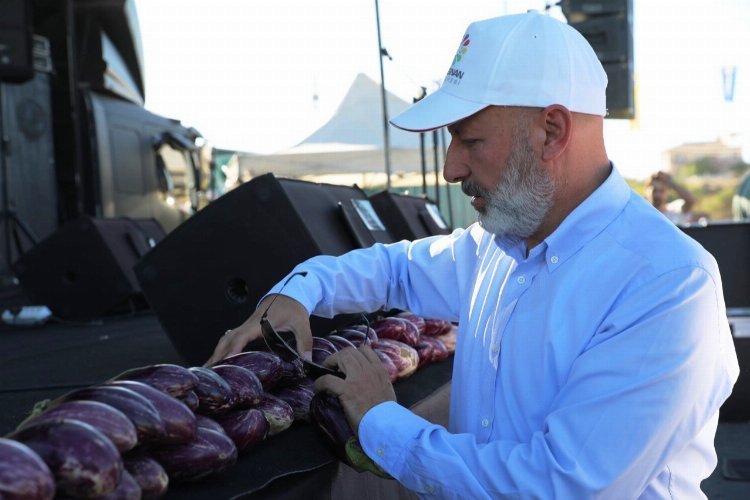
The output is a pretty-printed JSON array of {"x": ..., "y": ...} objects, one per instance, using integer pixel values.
[{"x": 13, "y": 225}]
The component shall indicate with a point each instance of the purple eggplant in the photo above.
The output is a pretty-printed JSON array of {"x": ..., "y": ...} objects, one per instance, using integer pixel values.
[
  {"x": 324, "y": 344},
  {"x": 140, "y": 411},
  {"x": 127, "y": 489},
  {"x": 266, "y": 366},
  {"x": 105, "y": 418},
  {"x": 319, "y": 355},
  {"x": 436, "y": 327},
  {"x": 357, "y": 335},
  {"x": 245, "y": 385},
  {"x": 435, "y": 352},
  {"x": 214, "y": 393},
  {"x": 397, "y": 329},
  {"x": 278, "y": 412},
  {"x": 246, "y": 428},
  {"x": 148, "y": 473},
  {"x": 209, "y": 453},
  {"x": 175, "y": 380},
  {"x": 388, "y": 364},
  {"x": 23, "y": 475},
  {"x": 191, "y": 400},
  {"x": 403, "y": 356},
  {"x": 418, "y": 321},
  {"x": 369, "y": 332},
  {"x": 298, "y": 397},
  {"x": 208, "y": 423},
  {"x": 329, "y": 419},
  {"x": 341, "y": 342},
  {"x": 292, "y": 371},
  {"x": 178, "y": 419},
  {"x": 83, "y": 461}
]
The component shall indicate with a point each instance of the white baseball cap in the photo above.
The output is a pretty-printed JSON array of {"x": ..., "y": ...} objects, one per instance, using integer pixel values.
[{"x": 518, "y": 60}]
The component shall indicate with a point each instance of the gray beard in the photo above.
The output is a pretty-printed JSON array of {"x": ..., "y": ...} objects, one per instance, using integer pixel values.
[{"x": 520, "y": 201}]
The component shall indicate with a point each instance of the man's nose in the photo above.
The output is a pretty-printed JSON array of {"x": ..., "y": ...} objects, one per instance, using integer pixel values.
[{"x": 455, "y": 168}]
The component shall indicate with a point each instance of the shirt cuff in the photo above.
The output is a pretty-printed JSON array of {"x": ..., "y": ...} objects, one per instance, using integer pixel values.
[
  {"x": 388, "y": 444},
  {"x": 299, "y": 289}
]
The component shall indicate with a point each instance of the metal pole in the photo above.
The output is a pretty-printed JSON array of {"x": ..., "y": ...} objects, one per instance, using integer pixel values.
[
  {"x": 437, "y": 166},
  {"x": 386, "y": 138}
]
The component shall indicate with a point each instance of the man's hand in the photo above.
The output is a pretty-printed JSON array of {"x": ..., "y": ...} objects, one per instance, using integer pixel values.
[
  {"x": 286, "y": 314},
  {"x": 366, "y": 383}
]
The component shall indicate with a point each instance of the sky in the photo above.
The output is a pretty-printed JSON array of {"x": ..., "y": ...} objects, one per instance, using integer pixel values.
[{"x": 262, "y": 75}]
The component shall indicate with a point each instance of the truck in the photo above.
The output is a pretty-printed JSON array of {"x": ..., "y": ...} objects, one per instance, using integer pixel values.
[{"x": 75, "y": 136}]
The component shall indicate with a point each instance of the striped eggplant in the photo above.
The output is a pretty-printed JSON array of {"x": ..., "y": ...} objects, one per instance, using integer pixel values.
[
  {"x": 298, "y": 397},
  {"x": 127, "y": 489},
  {"x": 245, "y": 385},
  {"x": 175, "y": 380},
  {"x": 191, "y": 400},
  {"x": 178, "y": 419},
  {"x": 214, "y": 393},
  {"x": 266, "y": 366},
  {"x": 211, "y": 452},
  {"x": 329, "y": 419},
  {"x": 397, "y": 329},
  {"x": 83, "y": 461},
  {"x": 418, "y": 321},
  {"x": 105, "y": 418},
  {"x": 148, "y": 473},
  {"x": 403, "y": 356},
  {"x": 278, "y": 412},
  {"x": 23, "y": 475},
  {"x": 141, "y": 412},
  {"x": 246, "y": 428}
]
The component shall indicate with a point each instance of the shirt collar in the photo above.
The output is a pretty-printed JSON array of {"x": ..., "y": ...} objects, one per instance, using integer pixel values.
[{"x": 588, "y": 219}]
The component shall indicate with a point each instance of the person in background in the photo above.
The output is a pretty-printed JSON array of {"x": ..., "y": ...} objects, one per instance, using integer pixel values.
[
  {"x": 741, "y": 200},
  {"x": 679, "y": 211},
  {"x": 593, "y": 347}
]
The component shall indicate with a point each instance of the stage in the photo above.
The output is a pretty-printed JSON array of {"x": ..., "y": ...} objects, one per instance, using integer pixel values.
[{"x": 47, "y": 361}]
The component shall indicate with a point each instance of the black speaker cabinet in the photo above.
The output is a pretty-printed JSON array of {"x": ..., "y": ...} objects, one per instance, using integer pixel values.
[
  {"x": 409, "y": 217},
  {"x": 729, "y": 243},
  {"x": 209, "y": 273},
  {"x": 85, "y": 268},
  {"x": 16, "y": 41}
]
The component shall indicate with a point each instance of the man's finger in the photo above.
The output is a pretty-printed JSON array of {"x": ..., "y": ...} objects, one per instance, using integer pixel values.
[
  {"x": 330, "y": 383},
  {"x": 369, "y": 354},
  {"x": 346, "y": 360}
]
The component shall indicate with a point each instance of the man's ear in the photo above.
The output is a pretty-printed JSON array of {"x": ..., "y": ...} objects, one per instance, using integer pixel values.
[{"x": 558, "y": 127}]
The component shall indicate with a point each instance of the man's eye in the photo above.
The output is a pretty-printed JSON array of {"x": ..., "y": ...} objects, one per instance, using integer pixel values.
[{"x": 470, "y": 142}]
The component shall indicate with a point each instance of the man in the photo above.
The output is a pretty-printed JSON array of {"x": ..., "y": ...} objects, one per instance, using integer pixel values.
[
  {"x": 593, "y": 349},
  {"x": 678, "y": 211}
]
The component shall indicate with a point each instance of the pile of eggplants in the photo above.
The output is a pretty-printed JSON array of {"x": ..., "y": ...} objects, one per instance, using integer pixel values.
[{"x": 133, "y": 435}]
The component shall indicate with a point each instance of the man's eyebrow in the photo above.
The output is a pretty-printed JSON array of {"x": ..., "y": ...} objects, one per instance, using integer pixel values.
[{"x": 453, "y": 128}]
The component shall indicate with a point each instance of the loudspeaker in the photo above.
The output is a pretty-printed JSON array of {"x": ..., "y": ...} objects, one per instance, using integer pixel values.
[
  {"x": 85, "y": 268},
  {"x": 729, "y": 243},
  {"x": 409, "y": 217},
  {"x": 209, "y": 273},
  {"x": 16, "y": 41},
  {"x": 608, "y": 26}
]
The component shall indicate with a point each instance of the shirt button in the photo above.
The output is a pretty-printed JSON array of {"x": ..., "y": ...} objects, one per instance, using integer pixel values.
[
  {"x": 495, "y": 348},
  {"x": 485, "y": 422},
  {"x": 430, "y": 488},
  {"x": 521, "y": 279},
  {"x": 380, "y": 452},
  {"x": 554, "y": 259}
]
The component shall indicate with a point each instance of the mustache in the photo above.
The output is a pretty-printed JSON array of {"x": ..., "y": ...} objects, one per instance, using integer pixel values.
[{"x": 472, "y": 189}]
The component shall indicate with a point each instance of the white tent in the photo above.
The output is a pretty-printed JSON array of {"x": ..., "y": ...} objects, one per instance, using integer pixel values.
[{"x": 350, "y": 144}]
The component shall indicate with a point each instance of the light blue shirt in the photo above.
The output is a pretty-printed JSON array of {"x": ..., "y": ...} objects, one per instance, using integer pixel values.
[{"x": 593, "y": 367}]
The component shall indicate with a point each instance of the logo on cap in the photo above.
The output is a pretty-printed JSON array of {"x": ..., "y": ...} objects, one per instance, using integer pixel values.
[{"x": 462, "y": 49}]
